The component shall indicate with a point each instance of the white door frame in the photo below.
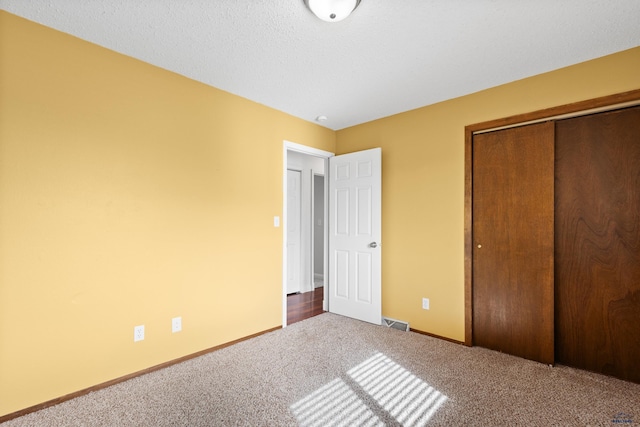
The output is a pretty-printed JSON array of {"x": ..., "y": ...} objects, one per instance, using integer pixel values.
[
  {"x": 292, "y": 146},
  {"x": 298, "y": 236},
  {"x": 324, "y": 226}
]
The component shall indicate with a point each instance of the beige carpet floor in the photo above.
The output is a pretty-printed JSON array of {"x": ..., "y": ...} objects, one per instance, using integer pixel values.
[{"x": 329, "y": 370}]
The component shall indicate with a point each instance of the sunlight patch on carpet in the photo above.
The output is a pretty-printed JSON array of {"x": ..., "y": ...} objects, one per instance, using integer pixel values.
[
  {"x": 334, "y": 404},
  {"x": 404, "y": 396},
  {"x": 397, "y": 394}
]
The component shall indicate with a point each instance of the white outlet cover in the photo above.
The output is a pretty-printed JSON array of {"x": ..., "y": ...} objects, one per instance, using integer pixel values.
[
  {"x": 138, "y": 333},
  {"x": 425, "y": 303},
  {"x": 176, "y": 324}
]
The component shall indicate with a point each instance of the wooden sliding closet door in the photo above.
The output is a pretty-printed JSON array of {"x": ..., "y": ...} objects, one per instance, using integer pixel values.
[
  {"x": 513, "y": 241},
  {"x": 598, "y": 243}
]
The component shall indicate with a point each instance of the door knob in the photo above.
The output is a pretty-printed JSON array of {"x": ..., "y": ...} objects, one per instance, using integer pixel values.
[
  {"x": 373, "y": 245},
  {"x": 479, "y": 246}
]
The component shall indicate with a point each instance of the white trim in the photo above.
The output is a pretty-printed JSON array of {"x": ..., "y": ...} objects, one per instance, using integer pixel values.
[
  {"x": 292, "y": 146},
  {"x": 315, "y": 275}
]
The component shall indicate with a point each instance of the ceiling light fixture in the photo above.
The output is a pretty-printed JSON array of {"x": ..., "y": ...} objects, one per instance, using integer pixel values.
[{"x": 332, "y": 10}]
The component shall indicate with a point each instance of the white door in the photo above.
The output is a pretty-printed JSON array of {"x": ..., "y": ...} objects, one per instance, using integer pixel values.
[
  {"x": 354, "y": 235},
  {"x": 294, "y": 247}
]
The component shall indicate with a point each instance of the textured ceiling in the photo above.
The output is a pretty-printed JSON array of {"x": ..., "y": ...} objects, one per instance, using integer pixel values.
[{"x": 386, "y": 58}]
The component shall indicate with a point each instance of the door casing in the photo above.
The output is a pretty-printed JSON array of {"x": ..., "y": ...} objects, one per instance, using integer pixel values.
[{"x": 294, "y": 237}]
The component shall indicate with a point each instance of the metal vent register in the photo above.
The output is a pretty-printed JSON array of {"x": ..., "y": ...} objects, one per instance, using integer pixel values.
[{"x": 395, "y": 324}]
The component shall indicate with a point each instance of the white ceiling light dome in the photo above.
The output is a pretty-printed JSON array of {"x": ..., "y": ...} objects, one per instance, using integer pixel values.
[{"x": 332, "y": 10}]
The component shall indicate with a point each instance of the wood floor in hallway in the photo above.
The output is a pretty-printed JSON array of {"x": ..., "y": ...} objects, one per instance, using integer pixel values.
[{"x": 304, "y": 306}]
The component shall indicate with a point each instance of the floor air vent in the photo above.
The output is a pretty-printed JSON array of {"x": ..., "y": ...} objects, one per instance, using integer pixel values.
[{"x": 395, "y": 324}]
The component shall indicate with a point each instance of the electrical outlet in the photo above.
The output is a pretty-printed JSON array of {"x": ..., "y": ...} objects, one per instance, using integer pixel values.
[
  {"x": 176, "y": 324},
  {"x": 138, "y": 333},
  {"x": 425, "y": 303}
]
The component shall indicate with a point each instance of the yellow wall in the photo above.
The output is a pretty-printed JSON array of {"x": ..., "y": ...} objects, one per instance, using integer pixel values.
[
  {"x": 128, "y": 195},
  {"x": 423, "y": 182}
]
